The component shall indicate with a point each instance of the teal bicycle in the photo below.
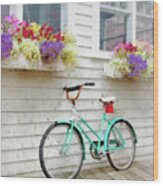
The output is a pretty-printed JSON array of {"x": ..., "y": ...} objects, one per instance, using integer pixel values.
[{"x": 62, "y": 148}]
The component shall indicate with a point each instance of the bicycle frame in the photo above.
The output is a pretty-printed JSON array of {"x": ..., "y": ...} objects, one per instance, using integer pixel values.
[{"x": 77, "y": 121}]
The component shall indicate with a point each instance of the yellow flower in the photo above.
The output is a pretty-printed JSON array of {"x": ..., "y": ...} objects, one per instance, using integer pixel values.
[
  {"x": 69, "y": 39},
  {"x": 34, "y": 27},
  {"x": 30, "y": 50},
  {"x": 69, "y": 57}
]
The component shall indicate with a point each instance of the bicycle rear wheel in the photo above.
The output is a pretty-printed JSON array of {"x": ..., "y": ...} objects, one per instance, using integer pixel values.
[
  {"x": 121, "y": 145},
  {"x": 57, "y": 159}
]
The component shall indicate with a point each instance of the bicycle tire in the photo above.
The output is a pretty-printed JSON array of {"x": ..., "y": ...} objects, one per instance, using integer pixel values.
[
  {"x": 43, "y": 164},
  {"x": 111, "y": 159}
]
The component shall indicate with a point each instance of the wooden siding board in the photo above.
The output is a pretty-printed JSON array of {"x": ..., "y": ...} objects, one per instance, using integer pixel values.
[
  {"x": 15, "y": 168},
  {"x": 32, "y": 139},
  {"x": 44, "y": 79},
  {"x": 21, "y": 105},
  {"x": 85, "y": 94},
  {"x": 11, "y": 117},
  {"x": 23, "y": 130},
  {"x": 32, "y": 153}
]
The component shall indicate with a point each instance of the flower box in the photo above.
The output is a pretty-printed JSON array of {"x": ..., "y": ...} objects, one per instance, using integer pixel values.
[
  {"x": 111, "y": 71},
  {"x": 21, "y": 63},
  {"x": 131, "y": 60}
]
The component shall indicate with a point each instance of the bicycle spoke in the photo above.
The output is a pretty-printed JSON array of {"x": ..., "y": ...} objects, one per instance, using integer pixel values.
[
  {"x": 57, "y": 160},
  {"x": 122, "y": 151}
]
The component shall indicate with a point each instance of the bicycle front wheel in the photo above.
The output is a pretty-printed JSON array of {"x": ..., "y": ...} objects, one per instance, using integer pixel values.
[
  {"x": 61, "y": 151},
  {"x": 121, "y": 145}
]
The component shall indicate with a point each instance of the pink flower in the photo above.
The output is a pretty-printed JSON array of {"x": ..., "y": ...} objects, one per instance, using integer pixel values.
[
  {"x": 130, "y": 47},
  {"x": 11, "y": 30},
  {"x": 119, "y": 47},
  {"x": 17, "y": 29},
  {"x": 126, "y": 47},
  {"x": 147, "y": 47},
  {"x": 24, "y": 24},
  {"x": 25, "y": 33},
  {"x": 12, "y": 20}
]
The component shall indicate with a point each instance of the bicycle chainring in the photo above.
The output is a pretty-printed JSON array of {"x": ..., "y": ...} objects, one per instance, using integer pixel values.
[{"x": 93, "y": 151}]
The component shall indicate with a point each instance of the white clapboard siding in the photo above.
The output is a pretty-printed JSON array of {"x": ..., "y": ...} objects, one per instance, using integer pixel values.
[
  {"x": 25, "y": 154},
  {"x": 15, "y": 168},
  {"x": 32, "y": 100},
  {"x": 26, "y": 117},
  {"x": 49, "y": 105}
]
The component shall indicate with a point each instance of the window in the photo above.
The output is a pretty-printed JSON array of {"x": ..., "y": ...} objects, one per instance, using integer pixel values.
[
  {"x": 113, "y": 30},
  {"x": 5, "y": 11},
  {"x": 125, "y": 22},
  {"x": 144, "y": 20},
  {"x": 43, "y": 13},
  {"x": 113, "y": 23},
  {"x": 51, "y": 14}
]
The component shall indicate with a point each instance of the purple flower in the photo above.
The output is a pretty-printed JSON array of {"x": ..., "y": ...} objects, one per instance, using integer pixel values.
[
  {"x": 6, "y": 45},
  {"x": 50, "y": 50},
  {"x": 137, "y": 64}
]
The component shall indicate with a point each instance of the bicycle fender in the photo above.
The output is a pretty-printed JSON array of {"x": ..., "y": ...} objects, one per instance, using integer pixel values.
[
  {"x": 113, "y": 122},
  {"x": 72, "y": 123}
]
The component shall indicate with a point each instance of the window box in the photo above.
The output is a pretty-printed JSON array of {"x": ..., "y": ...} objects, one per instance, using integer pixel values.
[
  {"x": 131, "y": 60},
  {"x": 111, "y": 71},
  {"x": 21, "y": 63}
]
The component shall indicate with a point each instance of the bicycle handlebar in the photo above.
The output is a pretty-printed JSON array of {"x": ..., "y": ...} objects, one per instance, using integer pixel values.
[
  {"x": 71, "y": 89},
  {"x": 76, "y": 88},
  {"x": 89, "y": 84}
]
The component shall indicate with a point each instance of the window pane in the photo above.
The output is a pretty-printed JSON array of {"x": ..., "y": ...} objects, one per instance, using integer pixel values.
[
  {"x": 112, "y": 30},
  {"x": 144, "y": 20},
  {"x": 145, "y": 7},
  {"x": 43, "y": 13},
  {"x": 5, "y": 11},
  {"x": 124, "y": 5}
]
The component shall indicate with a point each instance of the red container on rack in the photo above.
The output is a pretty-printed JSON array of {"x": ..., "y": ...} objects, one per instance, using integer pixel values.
[{"x": 109, "y": 108}]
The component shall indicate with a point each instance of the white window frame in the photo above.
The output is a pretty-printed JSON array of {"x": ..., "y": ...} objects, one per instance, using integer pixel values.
[
  {"x": 147, "y": 16},
  {"x": 17, "y": 10}
]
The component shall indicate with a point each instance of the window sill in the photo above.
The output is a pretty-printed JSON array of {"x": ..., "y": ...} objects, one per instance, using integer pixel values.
[{"x": 103, "y": 55}]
